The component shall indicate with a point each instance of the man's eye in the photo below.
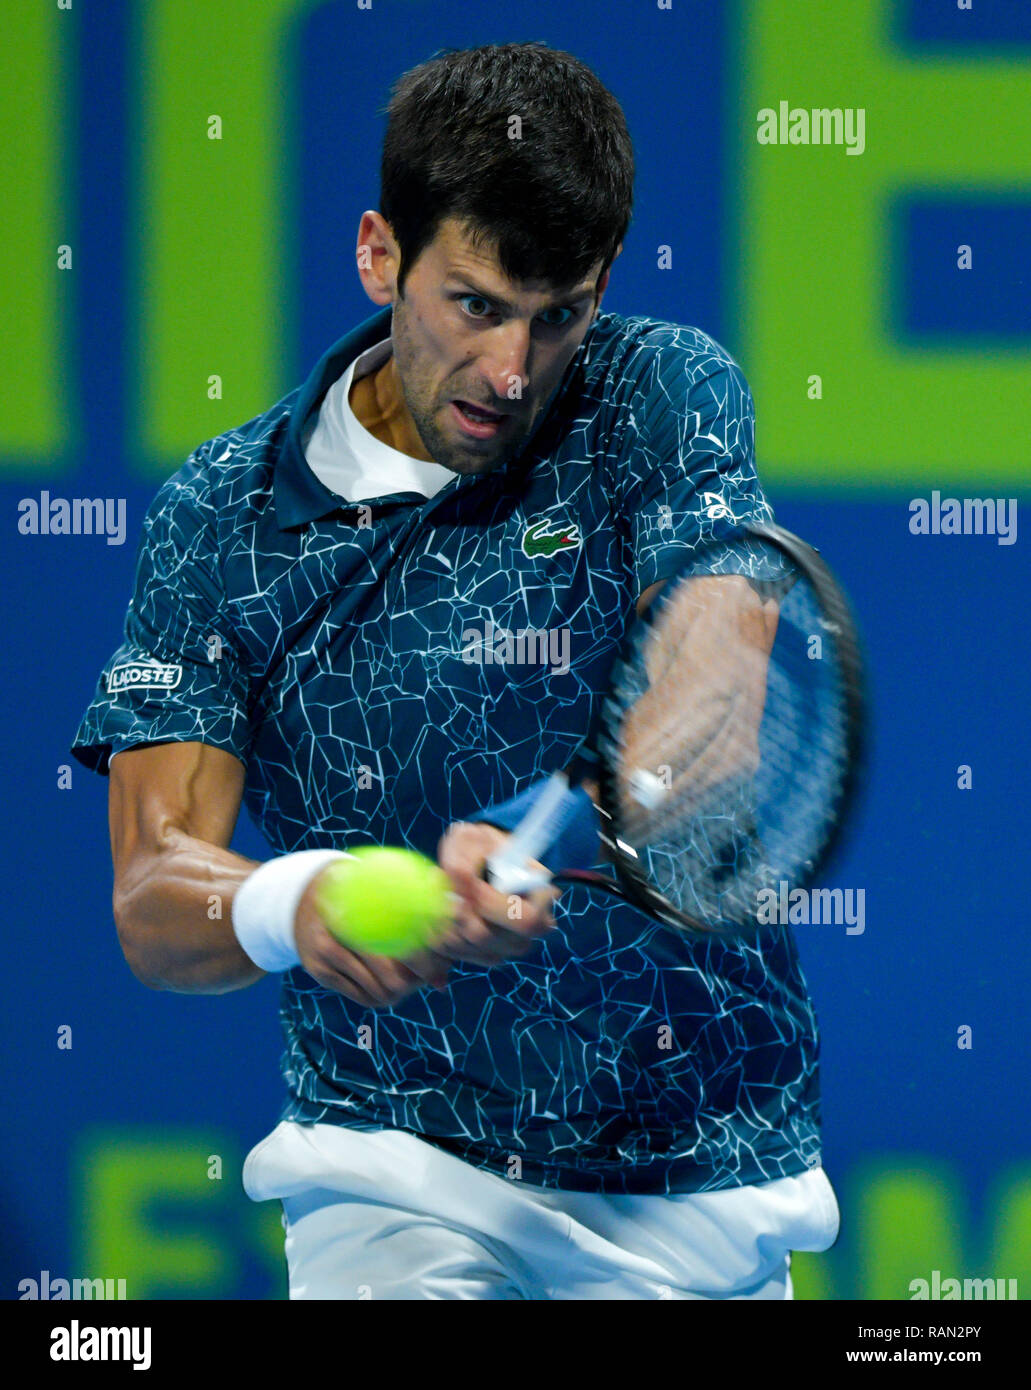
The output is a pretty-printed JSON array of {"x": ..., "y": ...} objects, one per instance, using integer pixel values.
[
  {"x": 480, "y": 306},
  {"x": 556, "y": 322}
]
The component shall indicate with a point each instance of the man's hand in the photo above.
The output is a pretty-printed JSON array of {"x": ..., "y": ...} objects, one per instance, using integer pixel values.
[
  {"x": 375, "y": 981},
  {"x": 490, "y": 927}
]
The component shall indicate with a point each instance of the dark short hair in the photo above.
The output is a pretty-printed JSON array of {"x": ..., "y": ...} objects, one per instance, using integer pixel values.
[{"x": 550, "y": 204}]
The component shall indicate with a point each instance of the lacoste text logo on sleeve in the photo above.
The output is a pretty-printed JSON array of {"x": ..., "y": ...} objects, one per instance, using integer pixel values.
[
  {"x": 143, "y": 675},
  {"x": 545, "y": 538}
]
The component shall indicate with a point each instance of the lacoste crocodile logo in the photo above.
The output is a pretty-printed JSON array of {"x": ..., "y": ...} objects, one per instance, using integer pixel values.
[{"x": 540, "y": 538}]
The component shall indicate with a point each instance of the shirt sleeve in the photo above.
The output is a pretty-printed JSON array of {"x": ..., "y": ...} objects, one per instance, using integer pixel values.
[
  {"x": 177, "y": 677},
  {"x": 688, "y": 461}
]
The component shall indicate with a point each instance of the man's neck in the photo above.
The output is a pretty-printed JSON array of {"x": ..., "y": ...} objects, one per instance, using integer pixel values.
[{"x": 379, "y": 406}]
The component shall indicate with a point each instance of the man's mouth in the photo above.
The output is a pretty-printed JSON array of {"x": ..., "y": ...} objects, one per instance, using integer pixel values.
[{"x": 476, "y": 420}]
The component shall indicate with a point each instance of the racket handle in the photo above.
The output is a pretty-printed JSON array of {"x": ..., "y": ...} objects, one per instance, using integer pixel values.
[
  {"x": 508, "y": 877},
  {"x": 508, "y": 870}
]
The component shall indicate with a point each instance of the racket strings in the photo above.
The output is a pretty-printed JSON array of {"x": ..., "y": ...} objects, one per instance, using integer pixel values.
[{"x": 727, "y": 737}]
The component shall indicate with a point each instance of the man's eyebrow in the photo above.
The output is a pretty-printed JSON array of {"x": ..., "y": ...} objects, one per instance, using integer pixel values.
[{"x": 460, "y": 277}]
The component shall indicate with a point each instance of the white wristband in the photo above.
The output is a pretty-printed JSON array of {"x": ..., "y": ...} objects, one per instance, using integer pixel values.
[{"x": 265, "y": 905}]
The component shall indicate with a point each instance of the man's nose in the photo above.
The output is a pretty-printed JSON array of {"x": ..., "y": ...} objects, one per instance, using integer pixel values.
[{"x": 506, "y": 360}]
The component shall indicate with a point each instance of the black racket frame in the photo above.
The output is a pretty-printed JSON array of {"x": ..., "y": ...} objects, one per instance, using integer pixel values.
[{"x": 631, "y": 883}]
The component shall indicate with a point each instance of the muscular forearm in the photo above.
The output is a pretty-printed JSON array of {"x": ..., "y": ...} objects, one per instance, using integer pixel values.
[{"x": 175, "y": 921}]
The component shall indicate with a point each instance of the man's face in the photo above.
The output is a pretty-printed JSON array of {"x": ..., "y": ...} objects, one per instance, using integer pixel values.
[{"x": 476, "y": 355}]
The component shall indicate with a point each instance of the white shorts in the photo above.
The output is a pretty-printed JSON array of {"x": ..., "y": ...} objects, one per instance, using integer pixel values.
[{"x": 384, "y": 1215}]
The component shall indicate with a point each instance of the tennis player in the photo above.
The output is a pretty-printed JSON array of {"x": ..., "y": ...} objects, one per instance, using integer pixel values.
[{"x": 381, "y": 613}]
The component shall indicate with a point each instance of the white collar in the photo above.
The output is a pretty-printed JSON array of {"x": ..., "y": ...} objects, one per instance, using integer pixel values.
[{"x": 352, "y": 462}]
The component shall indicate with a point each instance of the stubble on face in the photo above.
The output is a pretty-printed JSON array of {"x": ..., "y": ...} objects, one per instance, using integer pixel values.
[
  {"x": 438, "y": 357},
  {"x": 413, "y": 376}
]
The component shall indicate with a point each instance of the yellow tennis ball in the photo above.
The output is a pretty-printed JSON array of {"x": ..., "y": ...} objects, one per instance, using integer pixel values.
[{"x": 389, "y": 902}]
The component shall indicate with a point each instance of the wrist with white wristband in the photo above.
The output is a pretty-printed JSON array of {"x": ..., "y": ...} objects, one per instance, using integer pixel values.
[{"x": 266, "y": 902}]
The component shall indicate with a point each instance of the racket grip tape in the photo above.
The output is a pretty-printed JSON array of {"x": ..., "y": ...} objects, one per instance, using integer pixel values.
[{"x": 571, "y": 830}]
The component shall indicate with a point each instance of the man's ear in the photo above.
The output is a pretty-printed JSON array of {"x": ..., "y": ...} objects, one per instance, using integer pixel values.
[{"x": 378, "y": 257}]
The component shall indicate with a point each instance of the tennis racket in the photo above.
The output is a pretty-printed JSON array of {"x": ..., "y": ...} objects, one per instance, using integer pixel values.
[{"x": 726, "y": 749}]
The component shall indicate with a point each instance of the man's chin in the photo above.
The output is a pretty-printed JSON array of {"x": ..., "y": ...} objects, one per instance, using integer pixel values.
[
  {"x": 469, "y": 458},
  {"x": 467, "y": 465}
]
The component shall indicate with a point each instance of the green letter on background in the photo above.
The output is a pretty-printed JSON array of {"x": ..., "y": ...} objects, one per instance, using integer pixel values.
[
  {"x": 899, "y": 1221},
  {"x": 903, "y": 1218},
  {"x": 125, "y": 1176},
  {"x": 815, "y": 259},
  {"x": 38, "y": 415},
  {"x": 1011, "y": 1251},
  {"x": 911, "y": 1221},
  {"x": 210, "y": 216}
]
